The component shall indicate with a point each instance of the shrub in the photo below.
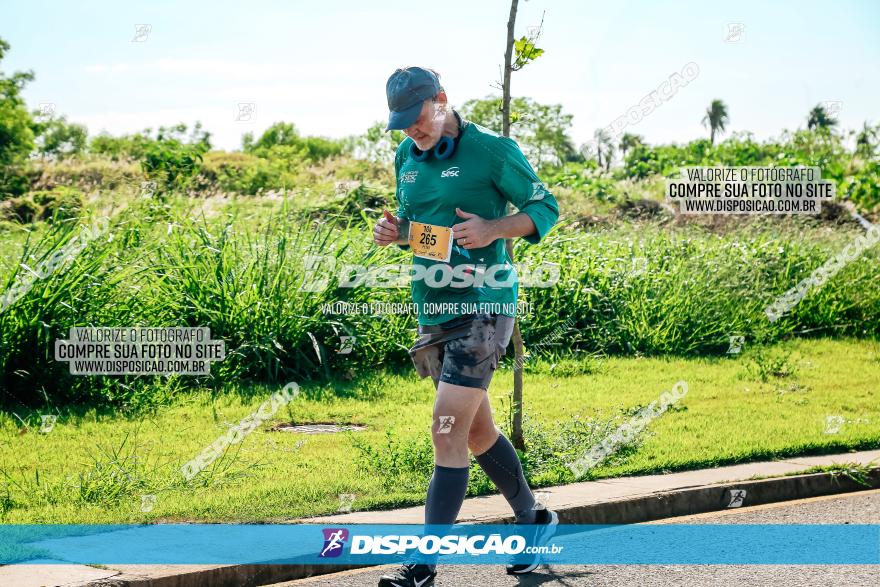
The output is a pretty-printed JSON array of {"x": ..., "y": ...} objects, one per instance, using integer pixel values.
[
  {"x": 643, "y": 161},
  {"x": 238, "y": 173},
  {"x": 351, "y": 202},
  {"x": 22, "y": 210},
  {"x": 119, "y": 148},
  {"x": 172, "y": 164},
  {"x": 61, "y": 203},
  {"x": 863, "y": 188},
  {"x": 88, "y": 173},
  {"x": 16, "y": 130},
  {"x": 57, "y": 138},
  {"x": 640, "y": 209},
  {"x": 285, "y": 134}
]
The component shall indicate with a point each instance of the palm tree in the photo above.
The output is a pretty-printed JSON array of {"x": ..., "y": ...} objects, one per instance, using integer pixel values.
[
  {"x": 627, "y": 142},
  {"x": 820, "y": 118},
  {"x": 604, "y": 148},
  {"x": 716, "y": 118},
  {"x": 865, "y": 139}
]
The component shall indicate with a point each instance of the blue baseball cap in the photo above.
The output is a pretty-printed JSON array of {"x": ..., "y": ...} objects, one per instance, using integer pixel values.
[{"x": 407, "y": 89}]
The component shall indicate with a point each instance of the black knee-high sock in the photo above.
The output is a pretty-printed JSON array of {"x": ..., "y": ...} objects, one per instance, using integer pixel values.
[
  {"x": 502, "y": 466},
  {"x": 445, "y": 496}
]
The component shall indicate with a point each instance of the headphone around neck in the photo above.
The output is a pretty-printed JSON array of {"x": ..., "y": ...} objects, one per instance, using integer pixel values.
[{"x": 444, "y": 148}]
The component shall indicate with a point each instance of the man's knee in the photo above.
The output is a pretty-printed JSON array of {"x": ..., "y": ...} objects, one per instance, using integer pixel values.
[
  {"x": 446, "y": 432},
  {"x": 481, "y": 438},
  {"x": 449, "y": 445}
]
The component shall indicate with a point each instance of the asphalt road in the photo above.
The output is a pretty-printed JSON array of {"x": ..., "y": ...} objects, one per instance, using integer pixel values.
[{"x": 854, "y": 508}]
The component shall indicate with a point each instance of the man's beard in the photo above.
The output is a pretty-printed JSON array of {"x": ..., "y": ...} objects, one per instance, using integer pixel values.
[
  {"x": 426, "y": 143},
  {"x": 437, "y": 124}
]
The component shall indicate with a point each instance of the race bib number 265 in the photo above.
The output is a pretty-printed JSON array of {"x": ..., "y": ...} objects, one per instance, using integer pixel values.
[{"x": 430, "y": 241}]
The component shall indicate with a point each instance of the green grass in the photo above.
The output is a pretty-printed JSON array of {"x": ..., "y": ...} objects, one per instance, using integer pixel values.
[
  {"x": 95, "y": 464},
  {"x": 858, "y": 472},
  {"x": 239, "y": 273}
]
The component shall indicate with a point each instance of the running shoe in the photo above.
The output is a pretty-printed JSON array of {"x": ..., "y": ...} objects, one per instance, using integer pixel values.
[{"x": 546, "y": 523}]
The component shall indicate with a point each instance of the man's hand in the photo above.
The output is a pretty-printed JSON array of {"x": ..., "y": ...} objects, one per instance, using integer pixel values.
[
  {"x": 387, "y": 230},
  {"x": 475, "y": 232}
]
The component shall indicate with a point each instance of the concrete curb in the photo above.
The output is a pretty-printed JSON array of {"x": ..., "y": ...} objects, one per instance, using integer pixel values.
[
  {"x": 607, "y": 501},
  {"x": 710, "y": 498},
  {"x": 663, "y": 504}
]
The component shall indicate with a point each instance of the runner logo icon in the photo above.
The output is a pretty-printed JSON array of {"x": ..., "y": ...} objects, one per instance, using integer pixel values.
[{"x": 334, "y": 541}]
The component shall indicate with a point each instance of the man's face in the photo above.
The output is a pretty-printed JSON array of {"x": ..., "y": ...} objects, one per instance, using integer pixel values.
[{"x": 428, "y": 127}]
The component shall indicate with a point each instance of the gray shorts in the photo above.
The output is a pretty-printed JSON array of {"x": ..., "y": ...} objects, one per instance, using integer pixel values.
[{"x": 463, "y": 351}]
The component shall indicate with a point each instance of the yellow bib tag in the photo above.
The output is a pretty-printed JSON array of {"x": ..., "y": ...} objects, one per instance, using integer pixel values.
[{"x": 430, "y": 241}]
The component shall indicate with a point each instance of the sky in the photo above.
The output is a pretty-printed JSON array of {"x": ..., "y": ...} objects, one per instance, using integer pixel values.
[{"x": 323, "y": 64}]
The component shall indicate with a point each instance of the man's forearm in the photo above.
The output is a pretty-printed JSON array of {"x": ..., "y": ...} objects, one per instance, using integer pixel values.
[{"x": 513, "y": 226}]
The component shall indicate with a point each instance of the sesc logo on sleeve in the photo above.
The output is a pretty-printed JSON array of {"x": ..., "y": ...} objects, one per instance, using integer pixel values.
[{"x": 430, "y": 241}]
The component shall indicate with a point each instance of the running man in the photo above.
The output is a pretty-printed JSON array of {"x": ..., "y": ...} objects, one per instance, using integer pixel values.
[{"x": 455, "y": 174}]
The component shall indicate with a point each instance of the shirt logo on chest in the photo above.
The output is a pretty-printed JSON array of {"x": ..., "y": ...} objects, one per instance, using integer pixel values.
[
  {"x": 451, "y": 172},
  {"x": 409, "y": 176}
]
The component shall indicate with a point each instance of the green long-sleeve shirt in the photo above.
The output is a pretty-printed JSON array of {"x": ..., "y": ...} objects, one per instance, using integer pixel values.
[{"x": 486, "y": 171}]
